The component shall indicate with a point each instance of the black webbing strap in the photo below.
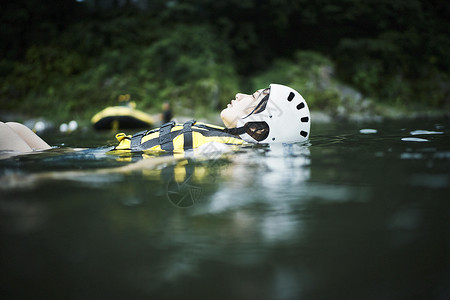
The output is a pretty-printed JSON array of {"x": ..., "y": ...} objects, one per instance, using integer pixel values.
[
  {"x": 165, "y": 138},
  {"x": 135, "y": 141},
  {"x": 155, "y": 141},
  {"x": 147, "y": 145},
  {"x": 187, "y": 132},
  {"x": 213, "y": 131},
  {"x": 236, "y": 131}
]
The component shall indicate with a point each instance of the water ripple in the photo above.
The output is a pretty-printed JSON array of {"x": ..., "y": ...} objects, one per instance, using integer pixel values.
[
  {"x": 411, "y": 139},
  {"x": 419, "y": 132},
  {"x": 368, "y": 131}
]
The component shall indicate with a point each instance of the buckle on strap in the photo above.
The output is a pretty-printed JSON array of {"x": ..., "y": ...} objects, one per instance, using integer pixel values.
[
  {"x": 187, "y": 126},
  {"x": 165, "y": 138},
  {"x": 136, "y": 139},
  {"x": 187, "y": 134}
]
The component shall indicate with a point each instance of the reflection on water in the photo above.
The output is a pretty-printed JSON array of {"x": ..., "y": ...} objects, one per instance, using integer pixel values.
[{"x": 358, "y": 213}]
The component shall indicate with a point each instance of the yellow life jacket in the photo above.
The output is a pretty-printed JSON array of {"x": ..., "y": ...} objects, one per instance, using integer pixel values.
[{"x": 175, "y": 138}]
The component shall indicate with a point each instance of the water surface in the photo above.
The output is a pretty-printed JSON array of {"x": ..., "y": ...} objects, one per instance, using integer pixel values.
[{"x": 361, "y": 212}]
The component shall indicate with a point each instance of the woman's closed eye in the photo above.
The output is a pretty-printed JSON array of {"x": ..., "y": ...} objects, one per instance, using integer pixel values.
[{"x": 262, "y": 92}]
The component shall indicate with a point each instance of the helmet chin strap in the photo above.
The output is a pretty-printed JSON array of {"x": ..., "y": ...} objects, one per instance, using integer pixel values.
[
  {"x": 256, "y": 131},
  {"x": 236, "y": 131}
]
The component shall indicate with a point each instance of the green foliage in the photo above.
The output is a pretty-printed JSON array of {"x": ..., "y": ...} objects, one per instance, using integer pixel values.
[
  {"x": 188, "y": 66},
  {"x": 309, "y": 73}
]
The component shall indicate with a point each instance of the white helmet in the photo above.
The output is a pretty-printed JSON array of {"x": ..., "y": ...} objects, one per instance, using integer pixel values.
[{"x": 281, "y": 117}]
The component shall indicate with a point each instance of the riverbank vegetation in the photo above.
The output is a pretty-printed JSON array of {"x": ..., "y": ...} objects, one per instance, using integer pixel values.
[{"x": 68, "y": 59}]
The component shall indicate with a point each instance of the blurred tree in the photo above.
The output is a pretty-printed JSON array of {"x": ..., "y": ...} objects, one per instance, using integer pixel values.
[{"x": 34, "y": 22}]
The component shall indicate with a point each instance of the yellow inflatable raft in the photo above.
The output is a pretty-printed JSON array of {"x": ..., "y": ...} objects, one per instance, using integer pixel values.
[{"x": 123, "y": 116}]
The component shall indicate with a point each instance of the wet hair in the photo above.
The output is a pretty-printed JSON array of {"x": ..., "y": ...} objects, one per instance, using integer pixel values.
[{"x": 261, "y": 106}]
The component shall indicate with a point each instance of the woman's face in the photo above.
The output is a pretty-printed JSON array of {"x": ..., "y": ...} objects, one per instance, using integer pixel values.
[{"x": 241, "y": 106}]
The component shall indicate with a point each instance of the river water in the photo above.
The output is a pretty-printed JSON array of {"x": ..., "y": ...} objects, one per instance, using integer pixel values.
[{"x": 361, "y": 212}]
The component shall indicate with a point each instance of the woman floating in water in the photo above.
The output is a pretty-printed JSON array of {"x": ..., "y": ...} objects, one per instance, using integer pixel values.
[{"x": 277, "y": 114}]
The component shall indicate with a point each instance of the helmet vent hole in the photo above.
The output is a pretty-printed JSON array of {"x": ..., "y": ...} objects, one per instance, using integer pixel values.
[
  {"x": 291, "y": 96},
  {"x": 301, "y": 105},
  {"x": 304, "y": 119},
  {"x": 303, "y": 133}
]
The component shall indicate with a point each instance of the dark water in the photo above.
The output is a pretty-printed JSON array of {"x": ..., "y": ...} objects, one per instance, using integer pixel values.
[{"x": 356, "y": 214}]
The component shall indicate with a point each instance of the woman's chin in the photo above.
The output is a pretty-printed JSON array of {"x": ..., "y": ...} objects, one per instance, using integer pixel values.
[{"x": 223, "y": 116}]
